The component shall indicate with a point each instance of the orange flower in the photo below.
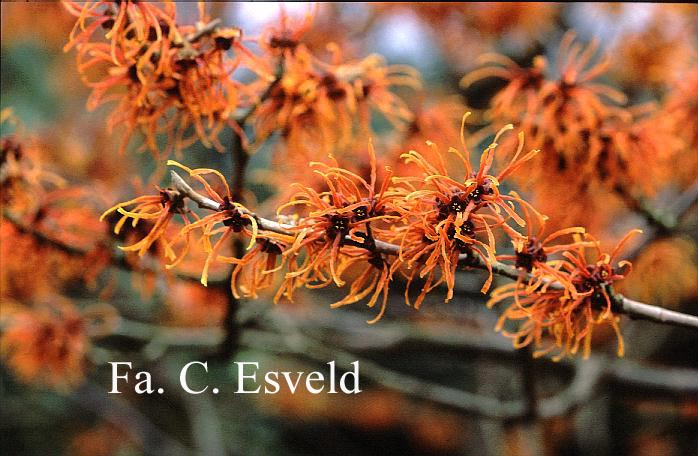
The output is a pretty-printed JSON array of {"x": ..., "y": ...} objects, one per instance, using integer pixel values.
[
  {"x": 447, "y": 215},
  {"x": 284, "y": 38},
  {"x": 373, "y": 280},
  {"x": 46, "y": 345},
  {"x": 555, "y": 113},
  {"x": 636, "y": 155},
  {"x": 520, "y": 95},
  {"x": 565, "y": 305},
  {"x": 366, "y": 214},
  {"x": 233, "y": 217},
  {"x": 340, "y": 230},
  {"x": 255, "y": 270},
  {"x": 165, "y": 77},
  {"x": 23, "y": 180},
  {"x": 159, "y": 209},
  {"x": 531, "y": 250},
  {"x": 319, "y": 107},
  {"x": 586, "y": 138}
]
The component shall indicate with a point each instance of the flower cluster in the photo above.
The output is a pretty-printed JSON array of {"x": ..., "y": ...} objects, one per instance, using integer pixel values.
[
  {"x": 348, "y": 220},
  {"x": 320, "y": 107},
  {"x": 364, "y": 232},
  {"x": 338, "y": 230},
  {"x": 177, "y": 79},
  {"x": 564, "y": 298},
  {"x": 45, "y": 345},
  {"x": 446, "y": 217},
  {"x": 23, "y": 180},
  {"x": 41, "y": 209},
  {"x": 50, "y": 240},
  {"x": 165, "y": 77},
  {"x": 587, "y": 138}
]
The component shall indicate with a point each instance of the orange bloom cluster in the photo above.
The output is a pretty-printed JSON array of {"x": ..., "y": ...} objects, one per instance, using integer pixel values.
[
  {"x": 320, "y": 107},
  {"x": 50, "y": 241},
  {"x": 338, "y": 231},
  {"x": 33, "y": 269},
  {"x": 446, "y": 217},
  {"x": 559, "y": 115},
  {"x": 361, "y": 232},
  {"x": 44, "y": 219},
  {"x": 166, "y": 77},
  {"x": 23, "y": 181},
  {"x": 564, "y": 298},
  {"x": 45, "y": 345},
  {"x": 680, "y": 111},
  {"x": 587, "y": 139}
]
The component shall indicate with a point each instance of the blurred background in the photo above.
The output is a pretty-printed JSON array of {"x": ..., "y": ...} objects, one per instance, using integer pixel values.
[{"x": 437, "y": 382}]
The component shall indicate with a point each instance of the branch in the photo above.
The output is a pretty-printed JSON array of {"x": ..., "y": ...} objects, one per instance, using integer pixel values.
[
  {"x": 626, "y": 306},
  {"x": 662, "y": 222},
  {"x": 42, "y": 238},
  {"x": 580, "y": 390},
  {"x": 399, "y": 336},
  {"x": 203, "y": 31},
  {"x": 686, "y": 200},
  {"x": 284, "y": 334},
  {"x": 182, "y": 186},
  {"x": 640, "y": 310},
  {"x": 681, "y": 206},
  {"x": 159, "y": 338},
  {"x": 265, "y": 95}
]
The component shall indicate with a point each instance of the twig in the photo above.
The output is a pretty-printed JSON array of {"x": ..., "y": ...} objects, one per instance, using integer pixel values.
[
  {"x": 683, "y": 203},
  {"x": 42, "y": 238},
  {"x": 205, "y": 30},
  {"x": 640, "y": 310},
  {"x": 686, "y": 200},
  {"x": 302, "y": 346},
  {"x": 626, "y": 306},
  {"x": 588, "y": 376},
  {"x": 159, "y": 338},
  {"x": 580, "y": 390},
  {"x": 264, "y": 96},
  {"x": 528, "y": 381},
  {"x": 399, "y": 336},
  {"x": 395, "y": 336},
  {"x": 663, "y": 223}
]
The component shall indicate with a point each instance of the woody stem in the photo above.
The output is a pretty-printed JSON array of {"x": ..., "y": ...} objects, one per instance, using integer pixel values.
[
  {"x": 662, "y": 222},
  {"x": 240, "y": 160},
  {"x": 634, "y": 309}
]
